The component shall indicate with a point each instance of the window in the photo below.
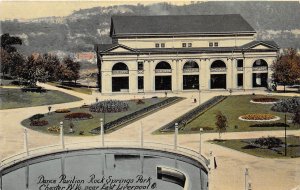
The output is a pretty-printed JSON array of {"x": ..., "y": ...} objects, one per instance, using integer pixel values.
[
  {"x": 189, "y": 44},
  {"x": 157, "y": 45},
  {"x": 162, "y": 45},
  {"x": 183, "y": 44},
  {"x": 140, "y": 65},
  {"x": 240, "y": 63},
  {"x": 216, "y": 44},
  {"x": 140, "y": 83},
  {"x": 211, "y": 44}
]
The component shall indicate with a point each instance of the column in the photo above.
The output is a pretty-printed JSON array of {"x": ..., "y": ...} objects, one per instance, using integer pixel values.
[
  {"x": 106, "y": 77},
  {"x": 248, "y": 74},
  {"x": 147, "y": 76},
  {"x": 174, "y": 66},
  {"x": 133, "y": 77},
  {"x": 229, "y": 74},
  {"x": 204, "y": 74}
]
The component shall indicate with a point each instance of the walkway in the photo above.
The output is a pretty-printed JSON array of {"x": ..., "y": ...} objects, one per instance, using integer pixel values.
[{"x": 265, "y": 174}]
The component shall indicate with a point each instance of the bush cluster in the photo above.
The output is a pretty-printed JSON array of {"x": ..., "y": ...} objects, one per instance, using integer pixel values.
[
  {"x": 109, "y": 106},
  {"x": 258, "y": 116},
  {"x": 290, "y": 105},
  {"x": 38, "y": 123},
  {"x": 269, "y": 125},
  {"x": 78, "y": 115},
  {"x": 62, "y": 111},
  {"x": 267, "y": 142},
  {"x": 55, "y": 129},
  {"x": 134, "y": 115},
  {"x": 36, "y": 117},
  {"x": 139, "y": 101},
  {"x": 265, "y": 99}
]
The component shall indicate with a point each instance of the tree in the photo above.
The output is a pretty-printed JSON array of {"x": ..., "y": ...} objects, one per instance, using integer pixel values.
[
  {"x": 5, "y": 61},
  {"x": 51, "y": 65},
  {"x": 69, "y": 70},
  {"x": 8, "y": 42},
  {"x": 221, "y": 123},
  {"x": 287, "y": 68},
  {"x": 296, "y": 117}
]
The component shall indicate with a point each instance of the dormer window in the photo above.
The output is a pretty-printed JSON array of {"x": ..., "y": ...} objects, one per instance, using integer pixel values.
[
  {"x": 211, "y": 44},
  {"x": 189, "y": 44},
  {"x": 184, "y": 45},
  {"x": 157, "y": 45},
  {"x": 216, "y": 44},
  {"x": 162, "y": 45}
]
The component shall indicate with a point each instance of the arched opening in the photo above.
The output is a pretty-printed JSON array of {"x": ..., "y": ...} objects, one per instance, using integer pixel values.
[
  {"x": 120, "y": 79},
  {"x": 260, "y": 73},
  {"x": 218, "y": 75},
  {"x": 163, "y": 78},
  {"x": 190, "y": 75}
]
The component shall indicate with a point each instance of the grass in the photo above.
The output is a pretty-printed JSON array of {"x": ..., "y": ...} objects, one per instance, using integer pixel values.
[
  {"x": 15, "y": 98},
  {"x": 89, "y": 124},
  {"x": 293, "y": 149},
  {"x": 233, "y": 107},
  {"x": 79, "y": 89}
]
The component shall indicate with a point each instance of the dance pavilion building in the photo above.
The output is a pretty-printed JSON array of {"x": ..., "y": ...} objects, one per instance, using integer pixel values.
[{"x": 182, "y": 53}]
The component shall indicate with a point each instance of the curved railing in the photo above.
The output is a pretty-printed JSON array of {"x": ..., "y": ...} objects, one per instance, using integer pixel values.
[{"x": 108, "y": 144}]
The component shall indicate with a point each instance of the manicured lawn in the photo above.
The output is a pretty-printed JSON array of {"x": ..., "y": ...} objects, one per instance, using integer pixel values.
[
  {"x": 293, "y": 149},
  {"x": 87, "y": 125},
  {"x": 79, "y": 89},
  {"x": 15, "y": 98},
  {"x": 233, "y": 107}
]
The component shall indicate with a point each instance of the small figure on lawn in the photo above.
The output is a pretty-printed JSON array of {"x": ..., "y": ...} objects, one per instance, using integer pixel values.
[
  {"x": 49, "y": 109},
  {"x": 195, "y": 100},
  {"x": 96, "y": 99},
  {"x": 166, "y": 94},
  {"x": 71, "y": 130}
]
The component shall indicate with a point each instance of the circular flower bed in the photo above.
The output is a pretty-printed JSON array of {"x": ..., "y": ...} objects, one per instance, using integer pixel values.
[
  {"x": 264, "y": 100},
  {"x": 78, "y": 115},
  {"x": 259, "y": 117},
  {"x": 62, "y": 111},
  {"x": 38, "y": 123},
  {"x": 109, "y": 106}
]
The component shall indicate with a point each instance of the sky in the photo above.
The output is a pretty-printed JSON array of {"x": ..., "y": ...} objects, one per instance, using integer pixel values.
[{"x": 44, "y": 8}]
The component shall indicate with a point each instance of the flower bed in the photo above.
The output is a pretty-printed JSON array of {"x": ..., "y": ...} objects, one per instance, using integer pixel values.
[
  {"x": 264, "y": 100},
  {"x": 269, "y": 125},
  {"x": 53, "y": 129},
  {"x": 78, "y": 115},
  {"x": 38, "y": 123},
  {"x": 62, "y": 111},
  {"x": 259, "y": 117}
]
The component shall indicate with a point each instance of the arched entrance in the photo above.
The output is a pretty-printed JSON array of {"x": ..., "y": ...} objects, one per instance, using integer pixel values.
[
  {"x": 163, "y": 76},
  {"x": 190, "y": 75},
  {"x": 260, "y": 73},
  {"x": 218, "y": 75},
  {"x": 120, "y": 77}
]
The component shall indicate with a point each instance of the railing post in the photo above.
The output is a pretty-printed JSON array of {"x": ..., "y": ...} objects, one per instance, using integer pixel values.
[
  {"x": 142, "y": 135},
  {"x": 26, "y": 142},
  {"x": 62, "y": 141},
  {"x": 102, "y": 131},
  {"x": 175, "y": 136}
]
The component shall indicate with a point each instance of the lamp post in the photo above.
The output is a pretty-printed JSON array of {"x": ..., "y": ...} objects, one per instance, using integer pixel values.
[
  {"x": 285, "y": 144},
  {"x": 200, "y": 141},
  {"x": 246, "y": 175},
  {"x": 26, "y": 142},
  {"x": 199, "y": 95},
  {"x": 62, "y": 135},
  {"x": 102, "y": 132}
]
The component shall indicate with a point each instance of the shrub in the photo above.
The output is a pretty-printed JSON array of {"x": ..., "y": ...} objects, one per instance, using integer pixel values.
[
  {"x": 38, "y": 123},
  {"x": 36, "y": 117},
  {"x": 140, "y": 102},
  {"x": 109, "y": 106},
  {"x": 290, "y": 105},
  {"x": 62, "y": 111},
  {"x": 269, "y": 125},
  {"x": 258, "y": 116},
  {"x": 78, "y": 115},
  {"x": 85, "y": 106},
  {"x": 265, "y": 99},
  {"x": 81, "y": 133},
  {"x": 267, "y": 142},
  {"x": 55, "y": 129}
]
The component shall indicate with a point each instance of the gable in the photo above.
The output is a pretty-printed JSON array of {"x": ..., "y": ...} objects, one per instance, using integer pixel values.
[
  {"x": 120, "y": 49},
  {"x": 260, "y": 46}
]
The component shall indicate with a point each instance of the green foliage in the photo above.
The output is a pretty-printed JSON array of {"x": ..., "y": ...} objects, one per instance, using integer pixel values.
[
  {"x": 69, "y": 70},
  {"x": 221, "y": 123},
  {"x": 267, "y": 142},
  {"x": 290, "y": 105},
  {"x": 36, "y": 117},
  {"x": 8, "y": 42}
]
